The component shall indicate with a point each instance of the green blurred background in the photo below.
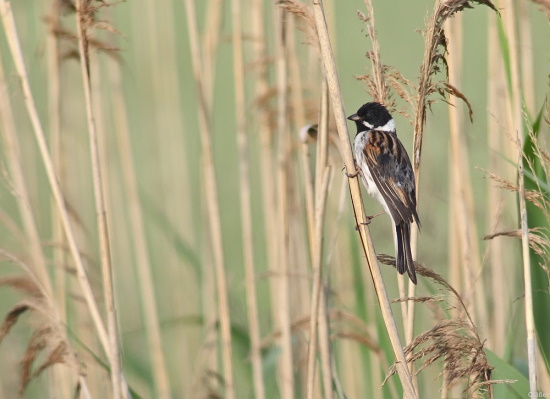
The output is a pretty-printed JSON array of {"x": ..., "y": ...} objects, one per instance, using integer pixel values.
[{"x": 160, "y": 95}]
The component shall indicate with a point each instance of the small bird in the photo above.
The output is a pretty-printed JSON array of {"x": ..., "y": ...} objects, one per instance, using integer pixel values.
[{"x": 387, "y": 174}]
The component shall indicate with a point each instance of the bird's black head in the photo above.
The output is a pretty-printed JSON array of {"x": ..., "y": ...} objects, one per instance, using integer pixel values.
[{"x": 373, "y": 116}]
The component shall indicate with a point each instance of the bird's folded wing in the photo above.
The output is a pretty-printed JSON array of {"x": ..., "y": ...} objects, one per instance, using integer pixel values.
[{"x": 384, "y": 155}]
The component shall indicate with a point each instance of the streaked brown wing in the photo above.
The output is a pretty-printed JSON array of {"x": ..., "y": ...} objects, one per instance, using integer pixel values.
[{"x": 391, "y": 171}]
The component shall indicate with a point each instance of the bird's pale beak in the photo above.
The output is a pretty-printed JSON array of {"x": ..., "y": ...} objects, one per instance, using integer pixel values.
[{"x": 354, "y": 117}]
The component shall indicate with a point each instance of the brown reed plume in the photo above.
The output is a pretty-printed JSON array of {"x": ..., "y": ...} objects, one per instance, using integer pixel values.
[
  {"x": 49, "y": 342},
  {"x": 454, "y": 342},
  {"x": 433, "y": 63}
]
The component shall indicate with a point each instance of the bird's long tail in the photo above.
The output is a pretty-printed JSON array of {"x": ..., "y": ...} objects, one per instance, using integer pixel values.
[{"x": 404, "y": 260}]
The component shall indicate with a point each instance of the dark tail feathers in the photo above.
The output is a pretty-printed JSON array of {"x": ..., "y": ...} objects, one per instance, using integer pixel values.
[{"x": 404, "y": 260}]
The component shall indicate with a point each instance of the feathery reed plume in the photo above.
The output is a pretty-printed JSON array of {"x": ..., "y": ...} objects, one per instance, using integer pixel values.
[
  {"x": 305, "y": 13},
  {"x": 455, "y": 341},
  {"x": 537, "y": 240},
  {"x": 376, "y": 81},
  {"x": 49, "y": 340}
]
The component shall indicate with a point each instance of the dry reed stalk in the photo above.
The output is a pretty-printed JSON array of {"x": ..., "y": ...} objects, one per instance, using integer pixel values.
[
  {"x": 321, "y": 195},
  {"x": 355, "y": 191},
  {"x": 496, "y": 119},
  {"x": 517, "y": 126},
  {"x": 461, "y": 241},
  {"x": 15, "y": 167},
  {"x": 54, "y": 112},
  {"x": 315, "y": 314},
  {"x": 300, "y": 121},
  {"x": 267, "y": 165},
  {"x": 380, "y": 92},
  {"x": 83, "y": 17},
  {"x": 212, "y": 203},
  {"x": 462, "y": 187},
  {"x": 330, "y": 378},
  {"x": 529, "y": 317},
  {"x": 54, "y": 108},
  {"x": 302, "y": 257},
  {"x": 210, "y": 43},
  {"x": 318, "y": 297},
  {"x": 526, "y": 58},
  {"x": 81, "y": 274},
  {"x": 286, "y": 371},
  {"x": 245, "y": 199},
  {"x": 137, "y": 232}
]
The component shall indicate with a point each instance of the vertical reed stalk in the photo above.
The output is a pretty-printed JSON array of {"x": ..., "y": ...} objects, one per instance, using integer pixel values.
[
  {"x": 210, "y": 43},
  {"x": 321, "y": 197},
  {"x": 529, "y": 317},
  {"x": 62, "y": 381},
  {"x": 301, "y": 288},
  {"x": 137, "y": 229},
  {"x": 318, "y": 313},
  {"x": 526, "y": 59},
  {"x": 315, "y": 314},
  {"x": 462, "y": 187},
  {"x": 495, "y": 122},
  {"x": 246, "y": 203},
  {"x": 267, "y": 165},
  {"x": 283, "y": 159},
  {"x": 119, "y": 390},
  {"x": 54, "y": 113},
  {"x": 212, "y": 203},
  {"x": 337, "y": 105},
  {"x": 517, "y": 125}
]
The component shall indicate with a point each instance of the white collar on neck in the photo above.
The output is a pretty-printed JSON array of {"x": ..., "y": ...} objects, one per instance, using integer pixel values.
[{"x": 388, "y": 127}]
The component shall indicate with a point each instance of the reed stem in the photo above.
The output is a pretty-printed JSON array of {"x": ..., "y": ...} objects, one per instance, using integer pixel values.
[{"x": 355, "y": 191}]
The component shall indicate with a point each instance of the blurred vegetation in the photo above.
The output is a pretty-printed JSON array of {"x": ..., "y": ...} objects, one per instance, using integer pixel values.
[{"x": 143, "y": 82}]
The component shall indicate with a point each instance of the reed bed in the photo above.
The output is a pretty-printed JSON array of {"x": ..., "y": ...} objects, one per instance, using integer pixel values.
[{"x": 179, "y": 217}]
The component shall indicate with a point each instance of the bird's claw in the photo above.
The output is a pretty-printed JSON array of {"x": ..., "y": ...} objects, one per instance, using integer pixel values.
[
  {"x": 368, "y": 219},
  {"x": 351, "y": 175}
]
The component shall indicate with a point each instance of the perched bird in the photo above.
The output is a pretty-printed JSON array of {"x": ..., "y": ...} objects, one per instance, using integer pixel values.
[{"x": 387, "y": 174}]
